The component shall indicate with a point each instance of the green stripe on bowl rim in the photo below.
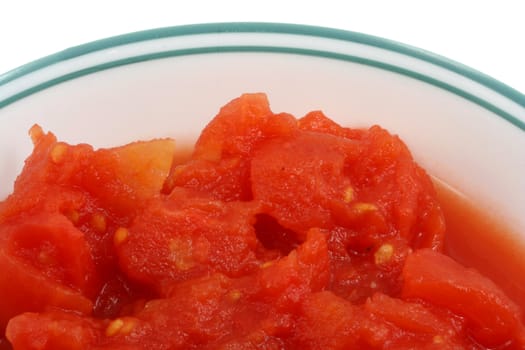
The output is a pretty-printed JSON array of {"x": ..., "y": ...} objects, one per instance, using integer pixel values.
[{"x": 278, "y": 28}]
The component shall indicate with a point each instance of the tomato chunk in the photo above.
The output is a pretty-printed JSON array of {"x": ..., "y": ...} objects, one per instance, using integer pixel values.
[
  {"x": 57, "y": 330},
  {"x": 52, "y": 245},
  {"x": 305, "y": 269},
  {"x": 123, "y": 178},
  {"x": 220, "y": 163},
  {"x": 300, "y": 179},
  {"x": 369, "y": 183},
  {"x": 23, "y": 287},
  {"x": 491, "y": 316},
  {"x": 67, "y": 203},
  {"x": 327, "y": 322},
  {"x": 187, "y": 235},
  {"x": 240, "y": 125},
  {"x": 212, "y": 311},
  {"x": 420, "y": 323}
]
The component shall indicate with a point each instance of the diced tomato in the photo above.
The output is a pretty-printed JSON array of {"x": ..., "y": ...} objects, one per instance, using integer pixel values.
[
  {"x": 67, "y": 203},
  {"x": 362, "y": 265},
  {"x": 409, "y": 316},
  {"x": 124, "y": 178},
  {"x": 45, "y": 262},
  {"x": 419, "y": 323},
  {"x": 188, "y": 235},
  {"x": 80, "y": 182},
  {"x": 239, "y": 126},
  {"x": 223, "y": 180},
  {"x": 385, "y": 174},
  {"x": 52, "y": 245},
  {"x": 327, "y": 322},
  {"x": 203, "y": 312},
  {"x": 304, "y": 270},
  {"x": 276, "y": 233},
  {"x": 370, "y": 184},
  {"x": 492, "y": 318},
  {"x": 24, "y": 287},
  {"x": 55, "y": 330},
  {"x": 44, "y": 183},
  {"x": 220, "y": 162},
  {"x": 318, "y": 122},
  {"x": 385, "y": 169},
  {"x": 300, "y": 179}
]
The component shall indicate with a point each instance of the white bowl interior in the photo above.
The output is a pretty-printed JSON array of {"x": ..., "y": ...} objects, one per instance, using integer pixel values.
[{"x": 466, "y": 145}]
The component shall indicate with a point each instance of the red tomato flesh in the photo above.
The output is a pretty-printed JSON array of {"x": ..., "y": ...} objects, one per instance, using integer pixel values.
[{"x": 274, "y": 233}]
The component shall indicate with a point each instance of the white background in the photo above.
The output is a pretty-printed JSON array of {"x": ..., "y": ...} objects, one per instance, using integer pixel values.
[{"x": 486, "y": 35}]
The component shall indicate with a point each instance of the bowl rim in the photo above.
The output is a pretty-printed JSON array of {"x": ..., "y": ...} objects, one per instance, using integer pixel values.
[{"x": 267, "y": 28}]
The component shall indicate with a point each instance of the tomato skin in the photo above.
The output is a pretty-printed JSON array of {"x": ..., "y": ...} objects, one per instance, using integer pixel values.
[{"x": 492, "y": 318}]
